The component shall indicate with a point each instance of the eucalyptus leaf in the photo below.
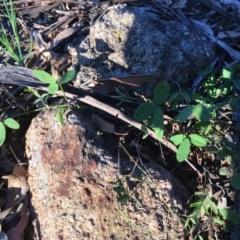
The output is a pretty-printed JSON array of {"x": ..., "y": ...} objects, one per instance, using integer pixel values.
[
  {"x": 161, "y": 92},
  {"x": 44, "y": 76},
  {"x": 2, "y": 133},
  {"x": 183, "y": 150},
  {"x": 157, "y": 123},
  {"x": 11, "y": 123},
  {"x": 67, "y": 77},
  {"x": 143, "y": 111}
]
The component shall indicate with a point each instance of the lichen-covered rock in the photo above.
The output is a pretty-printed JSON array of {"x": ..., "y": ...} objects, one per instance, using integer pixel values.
[
  {"x": 135, "y": 41},
  {"x": 72, "y": 171}
]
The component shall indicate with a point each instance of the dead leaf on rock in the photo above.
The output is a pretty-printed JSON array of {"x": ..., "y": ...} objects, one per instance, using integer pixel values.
[
  {"x": 104, "y": 125},
  {"x": 17, "y": 186}
]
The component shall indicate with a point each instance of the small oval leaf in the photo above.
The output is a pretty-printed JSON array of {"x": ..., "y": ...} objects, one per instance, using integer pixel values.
[
  {"x": 235, "y": 180},
  {"x": 161, "y": 92},
  {"x": 201, "y": 113},
  {"x": 198, "y": 140},
  {"x": 52, "y": 88},
  {"x": 44, "y": 76},
  {"x": 157, "y": 123},
  {"x": 177, "y": 139},
  {"x": 143, "y": 111},
  {"x": 2, "y": 133},
  {"x": 11, "y": 123},
  {"x": 230, "y": 215},
  {"x": 123, "y": 198},
  {"x": 184, "y": 114},
  {"x": 67, "y": 77},
  {"x": 183, "y": 150}
]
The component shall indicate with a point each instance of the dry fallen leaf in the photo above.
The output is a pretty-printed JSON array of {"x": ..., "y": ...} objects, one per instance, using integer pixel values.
[{"x": 17, "y": 186}]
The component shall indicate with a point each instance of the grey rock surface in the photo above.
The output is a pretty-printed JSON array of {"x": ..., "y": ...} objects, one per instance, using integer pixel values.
[
  {"x": 135, "y": 41},
  {"x": 72, "y": 171}
]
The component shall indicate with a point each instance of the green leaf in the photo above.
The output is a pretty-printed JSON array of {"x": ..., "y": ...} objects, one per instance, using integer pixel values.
[
  {"x": 184, "y": 114},
  {"x": 205, "y": 71},
  {"x": 177, "y": 139},
  {"x": 235, "y": 180},
  {"x": 11, "y": 123},
  {"x": 123, "y": 198},
  {"x": 52, "y": 88},
  {"x": 119, "y": 188},
  {"x": 183, "y": 150},
  {"x": 2, "y": 133},
  {"x": 211, "y": 204},
  {"x": 157, "y": 123},
  {"x": 143, "y": 111},
  {"x": 186, "y": 97},
  {"x": 234, "y": 103},
  {"x": 161, "y": 92},
  {"x": 198, "y": 140},
  {"x": 67, "y": 77},
  {"x": 44, "y": 76},
  {"x": 218, "y": 221},
  {"x": 173, "y": 96},
  {"x": 230, "y": 215},
  {"x": 201, "y": 113},
  {"x": 224, "y": 171},
  {"x": 236, "y": 82},
  {"x": 59, "y": 116},
  {"x": 211, "y": 149},
  {"x": 227, "y": 73}
]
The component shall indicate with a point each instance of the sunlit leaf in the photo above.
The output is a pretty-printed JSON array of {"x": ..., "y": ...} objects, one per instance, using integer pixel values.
[
  {"x": 227, "y": 73},
  {"x": 224, "y": 171},
  {"x": 157, "y": 123},
  {"x": 11, "y": 123},
  {"x": 211, "y": 204},
  {"x": 201, "y": 112},
  {"x": 143, "y": 111},
  {"x": 2, "y": 133},
  {"x": 59, "y": 116},
  {"x": 183, "y": 150},
  {"x": 177, "y": 139},
  {"x": 44, "y": 76},
  {"x": 67, "y": 77},
  {"x": 198, "y": 140},
  {"x": 230, "y": 215},
  {"x": 161, "y": 92},
  {"x": 52, "y": 88}
]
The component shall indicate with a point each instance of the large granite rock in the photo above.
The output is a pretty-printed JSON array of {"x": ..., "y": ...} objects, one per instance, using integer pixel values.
[
  {"x": 135, "y": 41},
  {"x": 72, "y": 172}
]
